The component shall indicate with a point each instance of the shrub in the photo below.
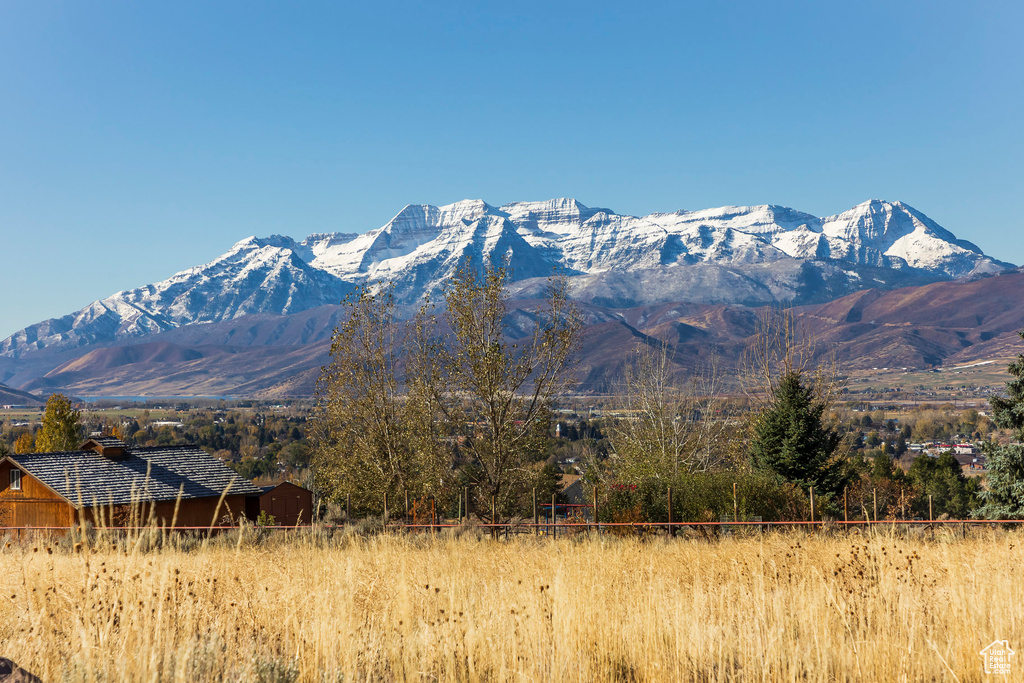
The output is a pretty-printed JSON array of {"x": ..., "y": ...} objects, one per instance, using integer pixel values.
[
  {"x": 703, "y": 497},
  {"x": 266, "y": 519}
]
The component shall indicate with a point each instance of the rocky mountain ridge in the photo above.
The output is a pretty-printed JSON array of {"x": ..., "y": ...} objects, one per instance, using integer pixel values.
[
  {"x": 940, "y": 325},
  {"x": 728, "y": 255}
]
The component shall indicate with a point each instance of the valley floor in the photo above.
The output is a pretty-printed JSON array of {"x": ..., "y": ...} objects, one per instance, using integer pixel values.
[{"x": 782, "y": 606}]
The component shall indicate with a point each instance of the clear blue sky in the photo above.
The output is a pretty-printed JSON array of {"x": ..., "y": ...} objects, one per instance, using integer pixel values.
[{"x": 138, "y": 139}]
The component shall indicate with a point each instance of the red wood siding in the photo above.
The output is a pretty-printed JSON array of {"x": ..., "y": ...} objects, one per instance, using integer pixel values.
[
  {"x": 33, "y": 505},
  {"x": 288, "y": 503},
  {"x": 195, "y": 512},
  {"x": 37, "y": 506}
]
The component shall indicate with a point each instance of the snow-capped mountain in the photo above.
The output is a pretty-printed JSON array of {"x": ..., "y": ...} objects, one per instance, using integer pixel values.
[
  {"x": 566, "y": 234},
  {"x": 733, "y": 254},
  {"x": 255, "y": 276}
]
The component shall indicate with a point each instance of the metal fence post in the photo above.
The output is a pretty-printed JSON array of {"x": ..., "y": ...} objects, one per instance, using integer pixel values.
[
  {"x": 671, "y": 529},
  {"x": 846, "y": 512},
  {"x": 554, "y": 518},
  {"x": 536, "y": 516},
  {"x": 874, "y": 497},
  {"x": 597, "y": 520},
  {"x": 812, "y": 506},
  {"x": 735, "y": 504},
  {"x": 930, "y": 517}
]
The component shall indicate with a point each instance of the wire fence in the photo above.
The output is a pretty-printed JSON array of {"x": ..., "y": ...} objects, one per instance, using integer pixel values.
[
  {"x": 555, "y": 527},
  {"x": 423, "y": 516}
]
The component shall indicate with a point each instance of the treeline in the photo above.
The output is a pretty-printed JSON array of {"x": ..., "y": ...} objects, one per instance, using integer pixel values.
[
  {"x": 433, "y": 406},
  {"x": 466, "y": 400},
  {"x": 878, "y": 432},
  {"x": 258, "y": 444}
]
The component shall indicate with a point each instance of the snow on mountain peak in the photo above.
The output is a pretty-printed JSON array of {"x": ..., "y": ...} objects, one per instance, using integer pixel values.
[
  {"x": 566, "y": 233},
  {"x": 738, "y": 253},
  {"x": 254, "y": 242},
  {"x": 463, "y": 210},
  {"x": 557, "y": 216},
  {"x": 903, "y": 236},
  {"x": 329, "y": 238}
]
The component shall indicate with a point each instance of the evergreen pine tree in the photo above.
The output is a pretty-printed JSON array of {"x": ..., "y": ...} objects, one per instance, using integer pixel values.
[
  {"x": 952, "y": 493},
  {"x": 790, "y": 439},
  {"x": 1004, "y": 493},
  {"x": 883, "y": 467},
  {"x": 1009, "y": 412},
  {"x": 1004, "y": 487}
]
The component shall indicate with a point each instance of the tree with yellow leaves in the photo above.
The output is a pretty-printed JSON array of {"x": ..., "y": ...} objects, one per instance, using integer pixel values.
[
  {"x": 62, "y": 426},
  {"x": 24, "y": 443}
]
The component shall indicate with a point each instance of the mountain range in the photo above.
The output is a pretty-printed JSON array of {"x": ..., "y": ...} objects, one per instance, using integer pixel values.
[
  {"x": 280, "y": 295},
  {"x": 13, "y": 397}
]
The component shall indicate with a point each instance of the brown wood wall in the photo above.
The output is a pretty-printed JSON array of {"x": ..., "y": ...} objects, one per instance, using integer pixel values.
[
  {"x": 288, "y": 503},
  {"x": 33, "y": 505},
  {"x": 197, "y": 512},
  {"x": 37, "y": 506}
]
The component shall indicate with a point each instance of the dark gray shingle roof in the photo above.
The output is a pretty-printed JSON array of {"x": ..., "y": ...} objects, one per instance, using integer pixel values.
[
  {"x": 87, "y": 477},
  {"x": 108, "y": 441}
]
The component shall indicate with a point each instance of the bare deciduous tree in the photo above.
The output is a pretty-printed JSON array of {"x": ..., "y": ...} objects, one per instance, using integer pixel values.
[
  {"x": 781, "y": 346},
  {"x": 671, "y": 427},
  {"x": 793, "y": 387},
  {"x": 498, "y": 393},
  {"x": 372, "y": 434}
]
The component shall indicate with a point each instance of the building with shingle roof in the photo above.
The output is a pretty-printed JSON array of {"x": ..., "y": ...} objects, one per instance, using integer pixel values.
[
  {"x": 288, "y": 503},
  {"x": 112, "y": 485}
]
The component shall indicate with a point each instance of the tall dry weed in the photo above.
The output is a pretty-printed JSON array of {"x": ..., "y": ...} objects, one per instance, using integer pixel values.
[{"x": 782, "y": 606}]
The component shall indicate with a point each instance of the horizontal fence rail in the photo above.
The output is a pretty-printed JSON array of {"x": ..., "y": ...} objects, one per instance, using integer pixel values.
[
  {"x": 425, "y": 515},
  {"x": 399, "y": 526}
]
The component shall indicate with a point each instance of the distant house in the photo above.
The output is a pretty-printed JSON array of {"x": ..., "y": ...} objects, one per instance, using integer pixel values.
[
  {"x": 970, "y": 462},
  {"x": 574, "y": 495},
  {"x": 114, "y": 485},
  {"x": 570, "y": 487},
  {"x": 288, "y": 503}
]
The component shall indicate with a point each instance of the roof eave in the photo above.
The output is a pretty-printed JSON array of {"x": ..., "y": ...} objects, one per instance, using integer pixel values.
[{"x": 21, "y": 466}]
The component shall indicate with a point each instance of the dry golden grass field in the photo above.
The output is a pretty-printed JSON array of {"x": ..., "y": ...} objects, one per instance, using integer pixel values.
[{"x": 777, "y": 607}]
